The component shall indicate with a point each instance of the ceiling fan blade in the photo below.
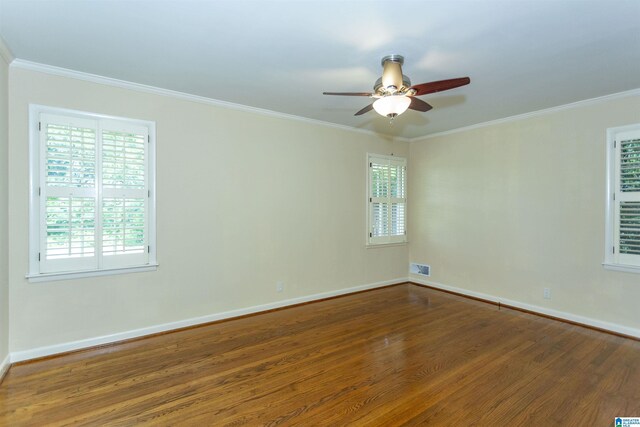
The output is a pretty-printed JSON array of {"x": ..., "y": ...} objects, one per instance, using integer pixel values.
[
  {"x": 439, "y": 86},
  {"x": 348, "y": 93},
  {"x": 364, "y": 110},
  {"x": 419, "y": 105}
]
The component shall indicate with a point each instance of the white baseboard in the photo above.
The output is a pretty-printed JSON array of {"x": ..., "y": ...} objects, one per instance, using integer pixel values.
[
  {"x": 613, "y": 327},
  {"x": 4, "y": 367},
  {"x": 34, "y": 353}
]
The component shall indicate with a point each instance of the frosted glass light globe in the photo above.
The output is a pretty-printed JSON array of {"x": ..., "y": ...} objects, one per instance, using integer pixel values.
[{"x": 392, "y": 105}]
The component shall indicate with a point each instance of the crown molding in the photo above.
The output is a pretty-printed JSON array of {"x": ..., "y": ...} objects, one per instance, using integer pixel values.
[
  {"x": 397, "y": 138},
  {"x": 583, "y": 103},
  {"x": 5, "y": 52},
  {"x": 123, "y": 84}
]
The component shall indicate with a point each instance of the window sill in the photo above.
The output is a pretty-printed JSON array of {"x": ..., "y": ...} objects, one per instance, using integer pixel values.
[
  {"x": 50, "y": 277},
  {"x": 385, "y": 245},
  {"x": 622, "y": 267}
]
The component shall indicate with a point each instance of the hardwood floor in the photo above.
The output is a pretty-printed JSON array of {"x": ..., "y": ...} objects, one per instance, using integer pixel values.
[{"x": 402, "y": 355}]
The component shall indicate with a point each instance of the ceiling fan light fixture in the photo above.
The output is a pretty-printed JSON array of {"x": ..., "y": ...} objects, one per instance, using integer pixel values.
[{"x": 392, "y": 106}]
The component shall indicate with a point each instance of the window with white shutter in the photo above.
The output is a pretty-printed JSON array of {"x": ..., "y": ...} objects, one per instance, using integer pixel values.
[
  {"x": 623, "y": 199},
  {"x": 92, "y": 196},
  {"x": 387, "y": 197}
]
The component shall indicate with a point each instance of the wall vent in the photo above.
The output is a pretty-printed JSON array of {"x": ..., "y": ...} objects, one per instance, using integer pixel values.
[{"x": 422, "y": 269}]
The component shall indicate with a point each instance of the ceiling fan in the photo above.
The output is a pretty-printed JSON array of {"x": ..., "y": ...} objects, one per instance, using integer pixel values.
[{"x": 394, "y": 93}]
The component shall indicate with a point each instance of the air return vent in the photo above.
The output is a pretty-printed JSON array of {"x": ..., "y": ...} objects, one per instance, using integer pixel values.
[{"x": 422, "y": 269}]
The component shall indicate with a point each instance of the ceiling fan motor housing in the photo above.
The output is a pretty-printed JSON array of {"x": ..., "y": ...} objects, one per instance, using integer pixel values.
[
  {"x": 379, "y": 88},
  {"x": 392, "y": 79}
]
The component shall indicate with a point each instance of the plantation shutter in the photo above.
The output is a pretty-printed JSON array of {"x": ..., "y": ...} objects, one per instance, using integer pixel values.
[
  {"x": 125, "y": 198},
  {"x": 627, "y": 198},
  {"x": 387, "y": 199},
  {"x": 93, "y": 194},
  {"x": 398, "y": 197},
  {"x": 68, "y": 193},
  {"x": 379, "y": 199}
]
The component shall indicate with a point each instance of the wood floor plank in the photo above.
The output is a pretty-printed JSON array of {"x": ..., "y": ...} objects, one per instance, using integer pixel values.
[{"x": 401, "y": 355}]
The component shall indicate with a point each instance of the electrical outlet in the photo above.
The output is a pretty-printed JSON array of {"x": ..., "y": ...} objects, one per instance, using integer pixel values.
[
  {"x": 280, "y": 286},
  {"x": 547, "y": 293}
]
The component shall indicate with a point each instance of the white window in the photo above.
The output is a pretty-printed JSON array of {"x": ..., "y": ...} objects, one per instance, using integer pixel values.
[
  {"x": 92, "y": 205},
  {"x": 622, "y": 251},
  {"x": 387, "y": 213}
]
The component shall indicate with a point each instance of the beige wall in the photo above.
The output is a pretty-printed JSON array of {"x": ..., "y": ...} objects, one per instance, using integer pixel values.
[
  {"x": 4, "y": 208},
  {"x": 509, "y": 209},
  {"x": 244, "y": 200}
]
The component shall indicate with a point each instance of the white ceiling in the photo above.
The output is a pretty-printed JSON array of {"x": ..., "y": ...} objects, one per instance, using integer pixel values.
[{"x": 521, "y": 55}]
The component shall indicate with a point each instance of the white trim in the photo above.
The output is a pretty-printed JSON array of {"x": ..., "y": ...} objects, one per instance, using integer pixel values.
[
  {"x": 551, "y": 110},
  {"x": 613, "y": 327},
  {"x": 612, "y": 260},
  {"x": 35, "y": 209},
  {"x": 5, "y": 52},
  {"x": 35, "y": 109},
  {"x": 4, "y": 366},
  {"x": 94, "y": 78},
  {"x": 108, "y": 81},
  {"x": 51, "y": 277},
  {"x": 621, "y": 267},
  {"x": 385, "y": 245},
  {"x": 19, "y": 356},
  {"x": 389, "y": 239},
  {"x": 609, "y": 204}
]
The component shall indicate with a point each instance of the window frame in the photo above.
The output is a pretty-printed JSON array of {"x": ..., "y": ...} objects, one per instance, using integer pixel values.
[
  {"x": 389, "y": 240},
  {"x": 36, "y": 231},
  {"x": 612, "y": 257}
]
